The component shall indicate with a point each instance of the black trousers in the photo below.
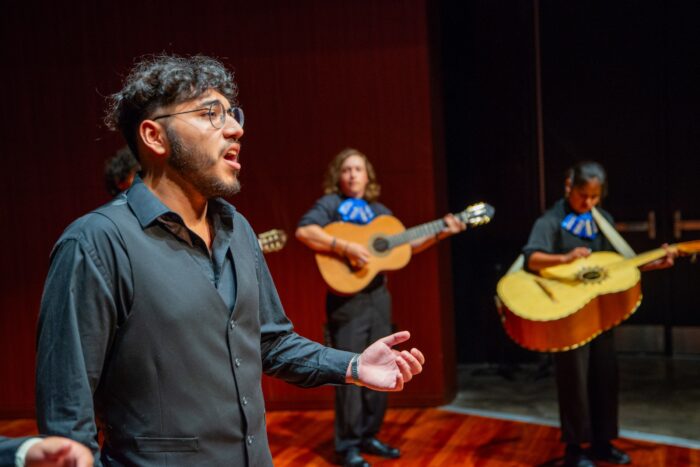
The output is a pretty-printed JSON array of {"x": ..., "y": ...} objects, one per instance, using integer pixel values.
[
  {"x": 587, "y": 386},
  {"x": 354, "y": 323}
]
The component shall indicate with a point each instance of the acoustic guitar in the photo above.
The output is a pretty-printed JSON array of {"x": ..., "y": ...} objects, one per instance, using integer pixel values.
[
  {"x": 388, "y": 241},
  {"x": 566, "y": 306},
  {"x": 272, "y": 240}
]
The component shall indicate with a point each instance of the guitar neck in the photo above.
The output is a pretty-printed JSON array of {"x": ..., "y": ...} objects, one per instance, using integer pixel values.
[
  {"x": 428, "y": 229},
  {"x": 648, "y": 256},
  {"x": 474, "y": 215}
]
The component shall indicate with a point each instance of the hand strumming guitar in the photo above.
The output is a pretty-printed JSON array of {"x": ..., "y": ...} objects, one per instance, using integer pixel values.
[
  {"x": 540, "y": 260},
  {"x": 357, "y": 254},
  {"x": 576, "y": 253}
]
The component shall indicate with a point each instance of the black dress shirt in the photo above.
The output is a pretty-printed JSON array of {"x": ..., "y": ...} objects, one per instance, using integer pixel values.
[{"x": 165, "y": 341}]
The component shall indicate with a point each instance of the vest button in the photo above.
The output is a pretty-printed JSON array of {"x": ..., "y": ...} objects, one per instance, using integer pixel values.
[
  {"x": 237, "y": 362},
  {"x": 244, "y": 400},
  {"x": 250, "y": 439},
  {"x": 232, "y": 324}
]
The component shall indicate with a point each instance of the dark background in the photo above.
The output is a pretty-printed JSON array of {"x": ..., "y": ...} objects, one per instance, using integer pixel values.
[
  {"x": 620, "y": 86},
  {"x": 440, "y": 95}
]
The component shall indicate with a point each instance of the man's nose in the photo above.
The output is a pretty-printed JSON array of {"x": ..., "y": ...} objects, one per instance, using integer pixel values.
[{"x": 232, "y": 129}]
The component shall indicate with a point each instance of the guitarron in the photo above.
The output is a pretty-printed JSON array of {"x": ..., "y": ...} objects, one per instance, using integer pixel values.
[{"x": 568, "y": 305}]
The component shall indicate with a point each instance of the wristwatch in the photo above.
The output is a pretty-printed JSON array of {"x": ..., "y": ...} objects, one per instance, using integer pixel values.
[{"x": 354, "y": 369}]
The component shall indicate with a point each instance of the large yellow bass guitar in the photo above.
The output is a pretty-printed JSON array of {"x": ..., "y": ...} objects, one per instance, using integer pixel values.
[
  {"x": 568, "y": 305},
  {"x": 388, "y": 242}
]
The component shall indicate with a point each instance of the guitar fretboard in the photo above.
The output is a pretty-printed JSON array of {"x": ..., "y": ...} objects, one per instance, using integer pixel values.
[{"x": 423, "y": 230}]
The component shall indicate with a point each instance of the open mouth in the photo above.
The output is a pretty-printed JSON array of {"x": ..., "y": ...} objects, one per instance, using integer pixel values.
[{"x": 231, "y": 158}]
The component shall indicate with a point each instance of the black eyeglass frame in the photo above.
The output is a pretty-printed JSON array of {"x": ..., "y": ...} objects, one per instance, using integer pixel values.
[{"x": 232, "y": 111}]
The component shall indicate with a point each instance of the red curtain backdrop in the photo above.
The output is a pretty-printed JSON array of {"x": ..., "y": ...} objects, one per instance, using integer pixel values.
[{"x": 314, "y": 77}]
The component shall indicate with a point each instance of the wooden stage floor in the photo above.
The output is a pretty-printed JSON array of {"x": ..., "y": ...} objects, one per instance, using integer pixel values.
[
  {"x": 434, "y": 437},
  {"x": 431, "y": 437}
]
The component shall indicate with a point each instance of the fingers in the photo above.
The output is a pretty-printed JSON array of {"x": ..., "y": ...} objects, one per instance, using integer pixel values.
[
  {"x": 453, "y": 225},
  {"x": 358, "y": 254},
  {"x": 404, "y": 370},
  {"x": 578, "y": 252},
  {"x": 396, "y": 338},
  {"x": 50, "y": 448},
  {"x": 418, "y": 355},
  {"x": 55, "y": 450},
  {"x": 408, "y": 361},
  {"x": 361, "y": 252}
]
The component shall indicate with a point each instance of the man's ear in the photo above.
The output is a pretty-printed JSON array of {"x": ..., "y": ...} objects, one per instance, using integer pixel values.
[{"x": 154, "y": 137}]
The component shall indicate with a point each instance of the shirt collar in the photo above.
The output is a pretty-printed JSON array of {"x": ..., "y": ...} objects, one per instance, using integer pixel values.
[{"x": 147, "y": 207}]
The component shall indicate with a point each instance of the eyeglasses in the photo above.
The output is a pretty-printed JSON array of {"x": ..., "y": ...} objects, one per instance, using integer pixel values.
[{"x": 217, "y": 114}]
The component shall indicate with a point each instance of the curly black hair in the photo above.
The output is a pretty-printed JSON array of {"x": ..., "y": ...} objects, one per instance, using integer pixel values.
[{"x": 161, "y": 80}]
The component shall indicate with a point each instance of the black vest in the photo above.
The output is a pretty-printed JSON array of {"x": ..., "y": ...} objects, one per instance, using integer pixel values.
[{"x": 181, "y": 384}]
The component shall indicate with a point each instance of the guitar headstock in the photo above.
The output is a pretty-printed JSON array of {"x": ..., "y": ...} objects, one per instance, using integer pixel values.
[
  {"x": 477, "y": 214},
  {"x": 272, "y": 240}
]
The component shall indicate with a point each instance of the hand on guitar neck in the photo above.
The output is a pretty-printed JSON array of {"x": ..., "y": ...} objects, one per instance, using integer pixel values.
[
  {"x": 662, "y": 263},
  {"x": 452, "y": 226},
  {"x": 540, "y": 260}
]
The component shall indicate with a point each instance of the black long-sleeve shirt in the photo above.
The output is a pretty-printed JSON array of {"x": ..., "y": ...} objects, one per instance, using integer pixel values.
[
  {"x": 548, "y": 236},
  {"x": 89, "y": 297}
]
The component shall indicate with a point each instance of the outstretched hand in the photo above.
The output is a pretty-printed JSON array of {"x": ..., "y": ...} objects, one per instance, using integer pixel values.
[{"x": 385, "y": 369}]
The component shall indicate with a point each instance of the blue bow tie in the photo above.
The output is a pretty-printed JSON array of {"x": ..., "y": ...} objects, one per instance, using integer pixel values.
[
  {"x": 356, "y": 211},
  {"x": 581, "y": 225}
]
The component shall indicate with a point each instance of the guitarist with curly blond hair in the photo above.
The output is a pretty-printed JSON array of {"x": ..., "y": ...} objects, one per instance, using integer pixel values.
[{"x": 351, "y": 194}]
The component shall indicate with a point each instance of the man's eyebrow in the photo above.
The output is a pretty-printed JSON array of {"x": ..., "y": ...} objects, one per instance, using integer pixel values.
[{"x": 210, "y": 102}]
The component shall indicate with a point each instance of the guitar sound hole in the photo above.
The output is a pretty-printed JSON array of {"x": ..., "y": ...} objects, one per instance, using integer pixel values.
[
  {"x": 591, "y": 275},
  {"x": 380, "y": 244}
]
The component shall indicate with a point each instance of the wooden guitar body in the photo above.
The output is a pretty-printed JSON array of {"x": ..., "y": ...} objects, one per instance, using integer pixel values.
[
  {"x": 345, "y": 279},
  {"x": 569, "y": 305},
  {"x": 388, "y": 242}
]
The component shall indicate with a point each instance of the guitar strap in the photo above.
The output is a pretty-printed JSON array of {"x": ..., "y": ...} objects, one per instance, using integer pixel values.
[
  {"x": 608, "y": 230},
  {"x": 611, "y": 234}
]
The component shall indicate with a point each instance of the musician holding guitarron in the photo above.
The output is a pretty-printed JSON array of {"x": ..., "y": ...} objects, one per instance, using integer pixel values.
[
  {"x": 357, "y": 318},
  {"x": 586, "y": 372}
]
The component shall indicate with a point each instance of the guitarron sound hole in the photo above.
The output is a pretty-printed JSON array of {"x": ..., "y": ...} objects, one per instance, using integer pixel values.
[{"x": 592, "y": 274}]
